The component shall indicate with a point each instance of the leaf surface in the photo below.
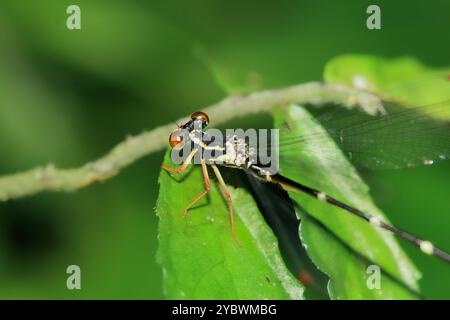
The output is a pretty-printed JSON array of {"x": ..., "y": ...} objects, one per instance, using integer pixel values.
[
  {"x": 198, "y": 256},
  {"x": 345, "y": 245}
]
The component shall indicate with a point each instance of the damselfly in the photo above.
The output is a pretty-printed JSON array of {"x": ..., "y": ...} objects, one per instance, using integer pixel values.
[{"x": 398, "y": 137}]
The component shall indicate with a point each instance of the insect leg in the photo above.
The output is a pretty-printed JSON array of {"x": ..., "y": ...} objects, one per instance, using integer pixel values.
[
  {"x": 183, "y": 166},
  {"x": 207, "y": 183},
  {"x": 227, "y": 196}
]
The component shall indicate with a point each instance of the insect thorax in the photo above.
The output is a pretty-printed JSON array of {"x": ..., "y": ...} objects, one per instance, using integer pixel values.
[{"x": 234, "y": 152}]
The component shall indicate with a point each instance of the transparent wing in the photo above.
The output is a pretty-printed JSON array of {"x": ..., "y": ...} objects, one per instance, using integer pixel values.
[{"x": 403, "y": 137}]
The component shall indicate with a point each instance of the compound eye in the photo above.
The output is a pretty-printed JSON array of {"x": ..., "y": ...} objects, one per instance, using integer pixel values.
[
  {"x": 176, "y": 139},
  {"x": 200, "y": 116}
]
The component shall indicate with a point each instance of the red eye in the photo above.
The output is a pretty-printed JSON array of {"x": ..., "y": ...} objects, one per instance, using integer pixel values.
[
  {"x": 200, "y": 116},
  {"x": 176, "y": 139}
]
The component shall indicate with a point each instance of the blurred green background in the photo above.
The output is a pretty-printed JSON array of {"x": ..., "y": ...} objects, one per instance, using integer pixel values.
[{"x": 67, "y": 97}]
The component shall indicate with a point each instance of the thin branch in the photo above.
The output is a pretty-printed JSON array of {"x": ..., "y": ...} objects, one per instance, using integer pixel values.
[{"x": 50, "y": 178}]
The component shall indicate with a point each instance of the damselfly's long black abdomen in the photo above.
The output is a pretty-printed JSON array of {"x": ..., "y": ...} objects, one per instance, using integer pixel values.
[{"x": 290, "y": 185}]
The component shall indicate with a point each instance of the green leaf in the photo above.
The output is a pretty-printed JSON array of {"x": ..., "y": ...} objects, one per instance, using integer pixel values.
[
  {"x": 404, "y": 80},
  {"x": 199, "y": 258},
  {"x": 349, "y": 272},
  {"x": 345, "y": 245}
]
